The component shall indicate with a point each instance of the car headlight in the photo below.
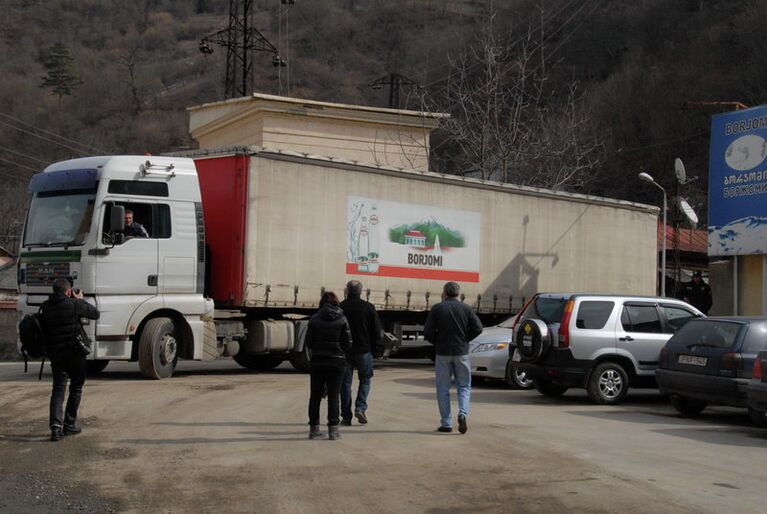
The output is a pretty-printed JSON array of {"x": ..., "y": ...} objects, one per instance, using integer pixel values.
[{"x": 486, "y": 347}]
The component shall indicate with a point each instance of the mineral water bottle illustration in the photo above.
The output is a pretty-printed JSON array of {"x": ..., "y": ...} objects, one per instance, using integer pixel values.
[
  {"x": 363, "y": 247},
  {"x": 373, "y": 241}
]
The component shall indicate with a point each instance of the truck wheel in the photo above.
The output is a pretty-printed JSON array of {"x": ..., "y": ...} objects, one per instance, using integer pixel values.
[
  {"x": 687, "y": 407},
  {"x": 758, "y": 417},
  {"x": 608, "y": 383},
  {"x": 547, "y": 388},
  {"x": 517, "y": 378},
  {"x": 158, "y": 349},
  {"x": 95, "y": 367},
  {"x": 300, "y": 360},
  {"x": 257, "y": 362}
]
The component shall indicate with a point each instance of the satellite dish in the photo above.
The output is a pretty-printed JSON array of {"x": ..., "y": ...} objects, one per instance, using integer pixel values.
[
  {"x": 681, "y": 174},
  {"x": 688, "y": 211}
]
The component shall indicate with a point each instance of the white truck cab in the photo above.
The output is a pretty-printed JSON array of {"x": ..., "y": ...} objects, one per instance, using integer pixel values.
[{"x": 149, "y": 290}]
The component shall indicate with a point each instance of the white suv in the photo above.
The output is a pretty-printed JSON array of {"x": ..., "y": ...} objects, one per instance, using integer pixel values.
[{"x": 603, "y": 343}]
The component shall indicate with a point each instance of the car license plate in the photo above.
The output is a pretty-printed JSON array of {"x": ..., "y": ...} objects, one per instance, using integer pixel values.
[{"x": 693, "y": 360}]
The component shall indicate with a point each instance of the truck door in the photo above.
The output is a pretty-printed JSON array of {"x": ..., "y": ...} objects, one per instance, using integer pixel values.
[
  {"x": 641, "y": 333},
  {"x": 178, "y": 248},
  {"x": 130, "y": 267}
]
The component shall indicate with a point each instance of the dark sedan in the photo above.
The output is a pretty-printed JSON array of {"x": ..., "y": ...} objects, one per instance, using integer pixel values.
[
  {"x": 757, "y": 391},
  {"x": 710, "y": 360}
]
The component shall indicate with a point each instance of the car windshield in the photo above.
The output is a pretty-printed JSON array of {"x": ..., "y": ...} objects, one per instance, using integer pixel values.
[
  {"x": 508, "y": 323},
  {"x": 708, "y": 333},
  {"x": 550, "y": 309},
  {"x": 59, "y": 218}
]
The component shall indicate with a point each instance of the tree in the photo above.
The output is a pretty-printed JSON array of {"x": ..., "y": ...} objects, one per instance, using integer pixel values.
[
  {"x": 61, "y": 77},
  {"x": 510, "y": 124}
]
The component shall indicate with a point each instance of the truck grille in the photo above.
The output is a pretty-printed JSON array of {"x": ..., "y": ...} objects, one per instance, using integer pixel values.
[{"x": 43, "y": 274}]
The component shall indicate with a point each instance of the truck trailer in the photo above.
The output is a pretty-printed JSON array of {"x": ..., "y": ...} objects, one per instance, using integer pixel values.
[{"x": 244, "y": 240}]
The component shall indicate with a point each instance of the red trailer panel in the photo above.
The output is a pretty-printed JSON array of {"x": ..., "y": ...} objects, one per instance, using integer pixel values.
[{"x": 224, "y": 188}]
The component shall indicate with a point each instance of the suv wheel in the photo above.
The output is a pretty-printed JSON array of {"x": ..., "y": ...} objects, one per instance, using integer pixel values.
[
  {"x": 547, "y": 388},
  {"x": 608, "y": 383},
  {"x": 758, "y": 418},
  {"x": 687, "y": 407}
]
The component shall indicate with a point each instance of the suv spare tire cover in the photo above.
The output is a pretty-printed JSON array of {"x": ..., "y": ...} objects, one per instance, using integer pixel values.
[{"x": 533, "y": 341}]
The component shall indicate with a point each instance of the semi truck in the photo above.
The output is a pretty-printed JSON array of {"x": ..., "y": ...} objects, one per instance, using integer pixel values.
[{"x": 244, "y": 240}]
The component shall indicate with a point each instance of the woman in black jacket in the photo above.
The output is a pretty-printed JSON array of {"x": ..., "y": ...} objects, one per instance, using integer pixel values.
[{"x": 328, "y": 339}]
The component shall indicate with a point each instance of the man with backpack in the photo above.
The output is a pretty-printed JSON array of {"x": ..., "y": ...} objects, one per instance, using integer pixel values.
[{"x": 60, "y": 319}]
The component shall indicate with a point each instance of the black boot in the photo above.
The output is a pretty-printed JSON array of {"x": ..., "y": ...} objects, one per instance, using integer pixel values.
[
  {"x": 72, "y": 430},
  {"x": 314, "y": 432},
  {"x": 56, "y": 434},
  {"x": 333, "y": 432}
]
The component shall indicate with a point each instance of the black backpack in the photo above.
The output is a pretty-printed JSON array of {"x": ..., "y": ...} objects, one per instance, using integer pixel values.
[{"x": 32, "y": 339}]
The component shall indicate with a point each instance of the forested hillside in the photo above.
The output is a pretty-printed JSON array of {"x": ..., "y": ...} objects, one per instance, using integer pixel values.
[{"x": 578, "y": 95}]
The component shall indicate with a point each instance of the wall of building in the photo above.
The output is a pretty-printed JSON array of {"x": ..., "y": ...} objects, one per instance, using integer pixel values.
[
  {"x": 751, "y": 285},
  {"x": 385, "y": 137}
]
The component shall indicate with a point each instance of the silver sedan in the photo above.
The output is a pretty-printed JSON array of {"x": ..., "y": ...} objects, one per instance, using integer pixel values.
[{"x": 489, "y": 353}]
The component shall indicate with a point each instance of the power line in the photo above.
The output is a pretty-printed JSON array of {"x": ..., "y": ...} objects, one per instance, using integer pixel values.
[
  {"x": 44, "y": 138},
  {"x": 540, "y": 46},
  {"x": 549, "y": 19},
  {"x": 14, "y": 177},
  {"x": 23, "y": 155},
  {"x": 87, "y": 147}
]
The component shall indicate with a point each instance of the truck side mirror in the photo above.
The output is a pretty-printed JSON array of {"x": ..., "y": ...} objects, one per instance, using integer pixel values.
[{"x": 117, "y": 219}]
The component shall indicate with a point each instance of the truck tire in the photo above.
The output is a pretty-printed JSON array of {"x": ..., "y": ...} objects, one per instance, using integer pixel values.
[
  {"x": 608, "y": 384},
  {"x": 517, "y": 378},
  {"x": 547, "y": 388},
  {"x": 158, "y": 349},
  {"x": 533, "y": 341},
  {"x": 687, "y": 407},
  {"x": 300, "y": 360},
  {"x": 95, "y": 367},
  {"x": 257, "y": 362}
]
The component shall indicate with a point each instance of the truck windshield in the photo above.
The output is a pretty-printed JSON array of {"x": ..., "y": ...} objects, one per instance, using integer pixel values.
[{"x": 59, "y": 218}]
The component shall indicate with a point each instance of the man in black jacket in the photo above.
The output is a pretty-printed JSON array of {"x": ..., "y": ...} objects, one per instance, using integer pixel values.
[
  {"x": 450, "y": 325},
  {"x": 61, "y": 315},
  {"x": 366, "y": 331}
]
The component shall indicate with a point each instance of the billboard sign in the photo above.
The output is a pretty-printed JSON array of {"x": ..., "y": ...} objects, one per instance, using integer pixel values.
[
  {"x": 393, "y": 239},
  {"x": 737, "y": 183}
]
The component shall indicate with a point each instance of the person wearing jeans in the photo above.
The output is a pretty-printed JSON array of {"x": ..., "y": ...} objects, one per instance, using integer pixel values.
[
  {"x": 365, "y": 332},
  {"x": 450, "y": 325},
  {"x": 445, "y": 368},
  {"x": 363, "y": 363}
]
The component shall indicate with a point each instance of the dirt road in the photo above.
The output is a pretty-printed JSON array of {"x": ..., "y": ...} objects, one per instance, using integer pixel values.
[{"x": 219, "y": 438}]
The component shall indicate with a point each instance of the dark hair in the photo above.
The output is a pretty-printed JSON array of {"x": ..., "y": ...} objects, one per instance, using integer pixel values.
[
  {"x": 61, "y": 286},
  {"x": 128, "y": 211},
  {"x": 452, "y": 289},
  {"x": 329, "y": 297},
  {"x": 354, "y": 288}
]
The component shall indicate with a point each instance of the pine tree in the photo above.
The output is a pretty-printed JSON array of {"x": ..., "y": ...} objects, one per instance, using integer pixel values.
[{"x": 61, "y": 77}]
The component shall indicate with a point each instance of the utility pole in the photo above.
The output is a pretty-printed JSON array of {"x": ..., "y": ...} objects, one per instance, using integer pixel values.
[
  {"x": 395, "y": 81},
  {"x": 240, "y": 39}
]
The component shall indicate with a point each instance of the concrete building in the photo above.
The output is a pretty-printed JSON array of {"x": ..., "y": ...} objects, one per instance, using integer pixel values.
[{"x": 367, "y": 135}]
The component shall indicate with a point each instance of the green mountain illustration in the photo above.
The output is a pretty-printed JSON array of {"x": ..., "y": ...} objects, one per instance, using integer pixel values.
[{"x": 448, "y": 238}]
